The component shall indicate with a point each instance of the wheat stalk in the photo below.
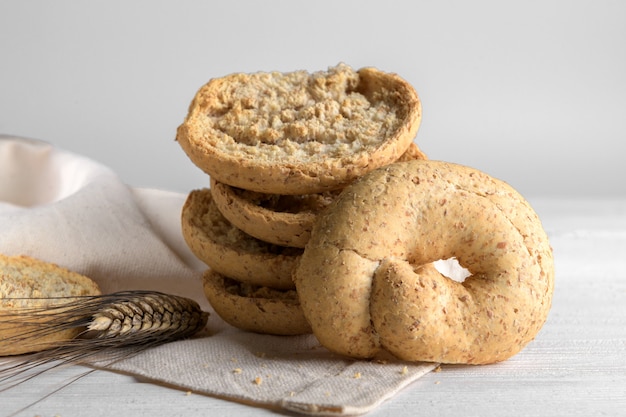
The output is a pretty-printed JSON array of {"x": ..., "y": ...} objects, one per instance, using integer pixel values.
[
  {"x": 118, "y": 324},
  {"x": 140, "y": 317}
]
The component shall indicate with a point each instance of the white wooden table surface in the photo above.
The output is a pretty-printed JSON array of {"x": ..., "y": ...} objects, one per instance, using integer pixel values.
[{"x": 575, "y": 367}]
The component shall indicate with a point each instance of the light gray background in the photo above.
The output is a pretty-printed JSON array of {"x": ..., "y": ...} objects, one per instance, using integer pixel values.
[{"x": 532, "y": 92}]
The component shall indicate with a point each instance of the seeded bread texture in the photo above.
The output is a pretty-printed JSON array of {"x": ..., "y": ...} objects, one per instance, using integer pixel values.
[
  {"x": 230, "y": 251},
  {"x": 284, "y": 220},
  {"x": 27, "y": 283},
  {"x": 256, "y": 309},
  {"x": 366, "y": 280},
  {"x": 279, "y": 219},
  {"x": 299, "y": 132}
]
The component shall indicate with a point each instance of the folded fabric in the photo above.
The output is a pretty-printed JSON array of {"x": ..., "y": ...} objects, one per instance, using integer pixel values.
[{"x": 67, "y": 209}]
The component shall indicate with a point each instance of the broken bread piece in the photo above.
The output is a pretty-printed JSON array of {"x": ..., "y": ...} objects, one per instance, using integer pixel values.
[{"x": 28, "y": 284}]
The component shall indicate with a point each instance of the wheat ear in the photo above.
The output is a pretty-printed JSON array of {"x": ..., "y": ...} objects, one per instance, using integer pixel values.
[
  {"x": 118, "y": 325},
  {"x": 145, "y": 317}
]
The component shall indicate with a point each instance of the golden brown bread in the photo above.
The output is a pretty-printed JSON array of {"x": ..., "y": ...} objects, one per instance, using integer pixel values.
[
  {"x": 27, "y": 283},
  {"x": 256, "y": 309},
  {"x": 299, "y": 132},
  {"x": 229, "y": 251},
  {"x": 284, "y": 220},
  {"x": 366, "y": 280}
]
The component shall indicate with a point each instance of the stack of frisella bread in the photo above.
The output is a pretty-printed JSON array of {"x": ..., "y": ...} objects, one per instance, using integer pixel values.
[
  {"x": 323, "y": 216},
  {"x": 279, "y": 148}
]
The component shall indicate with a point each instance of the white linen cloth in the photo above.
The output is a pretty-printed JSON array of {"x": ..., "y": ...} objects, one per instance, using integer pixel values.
[{"x": 67, "y": 209}]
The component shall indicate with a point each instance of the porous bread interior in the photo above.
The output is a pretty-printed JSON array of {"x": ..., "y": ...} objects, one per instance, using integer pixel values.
[
  {"x": 26, "y": 285},
  {"x": 252, "y": 308},
  {"x": 28, "y": 278},
  {"x": 292, "y": 204},
  {"x": 301, "y": 116},
  {"x": 243, "y": 289},
  {"x": 207, "y": 216}
]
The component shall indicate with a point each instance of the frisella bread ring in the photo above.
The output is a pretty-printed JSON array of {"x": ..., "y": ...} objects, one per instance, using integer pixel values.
[
  {"x": 230, "y": 251},
  {"x": 253, "y": 308},
  {"x": 367, "y": 282},
  {"x": 299, "y": 132}
]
